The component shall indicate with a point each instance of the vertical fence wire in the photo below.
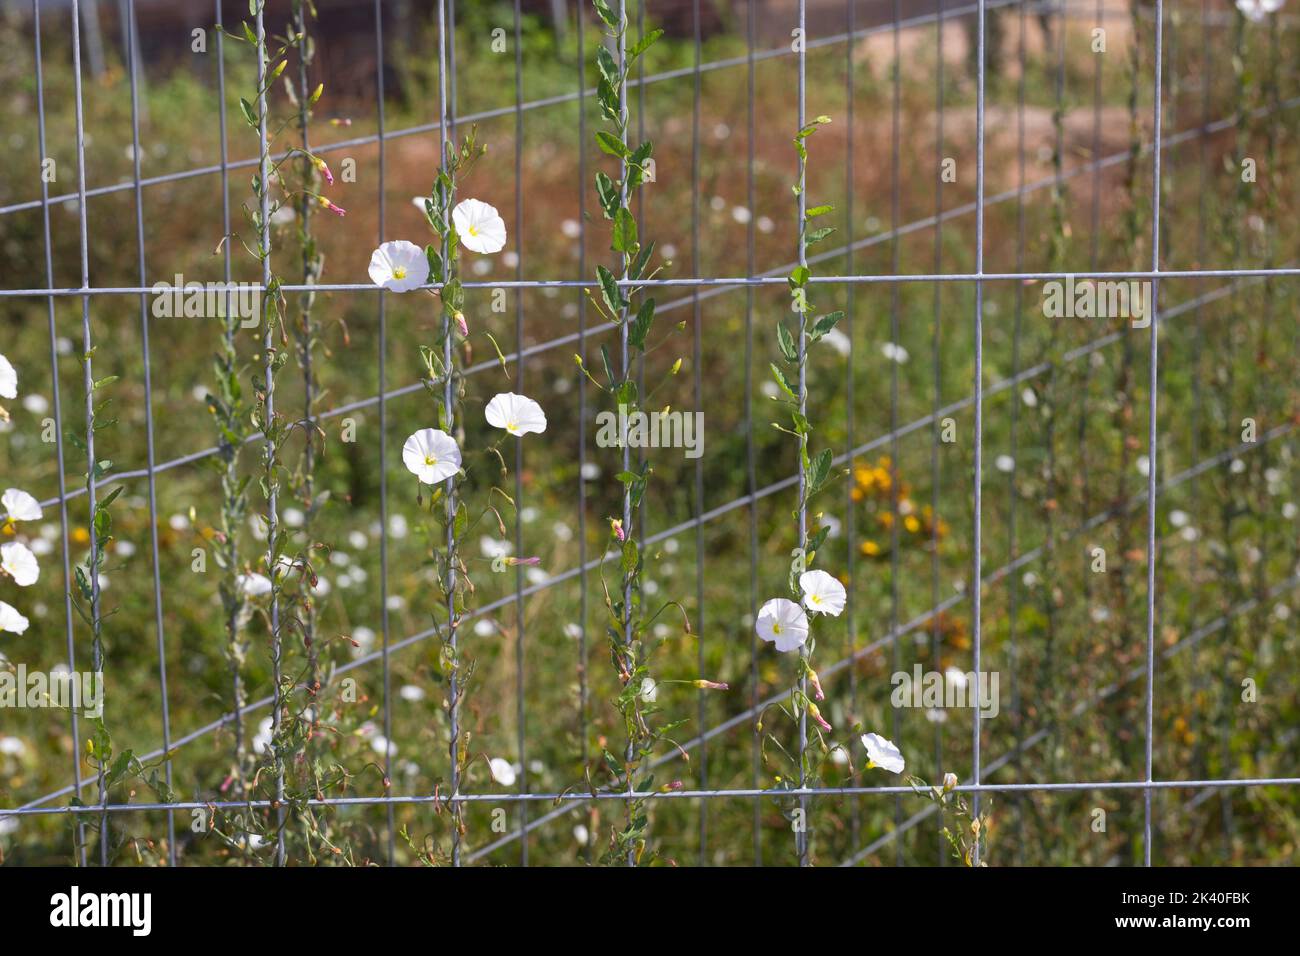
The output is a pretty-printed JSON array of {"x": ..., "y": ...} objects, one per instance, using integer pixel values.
[
  {"x": 382, "y": 318},
  {"x": 697, "y": 357},
  {"x": 88, "y": 385},
  {"x": 74, "y": 723},
  {"x": 850, "y": 422},
  {"x": 520, "y": 710},
  {"x": 134, "y": 71},
  {"x": 978, "y": 479},
  {"x": 895, "y": 337},
  {"x": 269, "y": 450},
  {"x": 751, "y": 473},
  {"x": 1153, "y": 381},
  {"x": 801, "y": 833},
  {"x": 1013, "y": 540},
  {"x": 583, "y": 686},
  {"x": 936, "y": 337}
]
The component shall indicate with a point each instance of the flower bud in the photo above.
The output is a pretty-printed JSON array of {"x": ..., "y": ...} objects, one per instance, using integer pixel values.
[
  {"x": 816, "y": 684},
  {"x": 326, "y": 204},
  {"x": 461, "y": 323},
  {"x": 710, "y": 685},
  {"x": 816, "y": 715},
  {"x": 949, "y": 781},
  {"x": 324, "y": 170},
  {"x": 616, "y": 528}
]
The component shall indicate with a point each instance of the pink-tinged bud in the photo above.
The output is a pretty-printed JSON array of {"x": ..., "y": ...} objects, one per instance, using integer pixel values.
[
  {"x": 531, "y": 562},
  {"x": 616, "y": 526},
  {"x": 670, "y": 787},
  {"x": 816, "y": 715},
  {"x": 816, "y": 684},
  {"x": 462, "y": 324},
  {"x": 711, "y": 685},
  {"x": 324, "y": 170},
  {"x": 341, "y": 121},
  {"x": 326, "y": 204}
]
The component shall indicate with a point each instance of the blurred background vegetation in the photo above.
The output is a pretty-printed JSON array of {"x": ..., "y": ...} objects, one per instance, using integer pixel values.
[{"x": 1065, "y": 420}]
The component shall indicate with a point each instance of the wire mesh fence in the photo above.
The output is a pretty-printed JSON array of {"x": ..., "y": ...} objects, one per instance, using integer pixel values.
[{"x": 946, "y": 241}]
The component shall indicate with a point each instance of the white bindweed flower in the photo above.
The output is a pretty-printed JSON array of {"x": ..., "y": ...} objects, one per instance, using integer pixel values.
[
  {"x": 649, "y": 690},
  {"x": 8, "y": 379},
  {"x": 783, "y": 623},
  {"x": 502, "y": 772},
  {"x": 431, "y": 455},
  {"x": 253, "y": 585},
  {"x": 822, "y": 593},
  {"x": 479, "y": 226},
  {"x": 882, "y": 753},
  {"x": 399, "y": 266},
  {"x": 20, "y": 506},
  {"x": 1257, "y": 10},
  {"x": 11, "y": 620},
  {"x": 517, "y": 414},
  {"x": 17, "y": 561}
]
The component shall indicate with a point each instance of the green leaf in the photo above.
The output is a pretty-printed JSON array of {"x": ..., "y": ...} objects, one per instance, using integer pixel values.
[
  {"x": 819, "y": 470},
  {"x": 644, "y": 43},
  {"x": 606, "y": 14},
  {"x": 640, "y": 329},
  {"x": 799, "y": 276},
  {"x": 786, "y": 341},
  {"x": 817, "y": 235},
  {"x": 631, "y": 555},
  {"x": 624, "y": 231},
  {"x": 608, "y": 68},
  {"x": 250, "y": 116},
  {"x": 783, "y": 382},
  {"x": 637, "y": 269},
  {"x": 609, "y": 291},
  {"x": 607, "y": 191},
  {"x": 818, "y": 211},
  {"x": 611, "y": 144},
  {"x": 825, "y": 324}
]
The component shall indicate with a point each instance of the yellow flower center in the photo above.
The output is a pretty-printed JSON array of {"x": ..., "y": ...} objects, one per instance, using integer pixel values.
[
  {"x": 815, "y": 598},
  {"x": 430, "y": 460},
  {"x": 512, "y": 427},
  {"x": 399, "y": 273},
  {"x": 776, "y": 628},
  {"x": 473, "y": 230}
]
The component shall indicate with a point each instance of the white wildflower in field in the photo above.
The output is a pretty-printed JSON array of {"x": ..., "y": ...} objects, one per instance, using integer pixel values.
[
  {"x": 11, "y": 620},
  {"x": 882, "y": 753},
  {"x": 399, "y": 266},
  {"x": 431, "y": 455},
  {"x": 479, "y": 226},
  {"x": 8, "y": 379},
  {"x": 783, "y": 623},
  {"x": 822, "y": 593},
  {"x": 19, "y": 506},
  {"x": 502, "y": 771},
  {"x": 17, "y": 561},
  {"x": 517, "y": 414}
]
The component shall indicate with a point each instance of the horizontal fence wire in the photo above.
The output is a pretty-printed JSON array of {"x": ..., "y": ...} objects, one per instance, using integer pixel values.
[{"x": 702, "y": 288}]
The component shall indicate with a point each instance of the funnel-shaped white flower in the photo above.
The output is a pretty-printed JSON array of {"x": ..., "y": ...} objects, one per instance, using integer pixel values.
[
  {"x": 517, "y": 414},
  {"x": 431, "y": 455},
  {"x": 479, "y": 226},
  {"x": 19, "y": 505},
  {"x": 882, "y": 753},
  {"x": 822, "y": 593},
  {"x": 783, "y": 623},
  {"x": 8, "y": 379},
  {"x": 399, "y": 266},
  {"x": 17, "y": 561},
  {"x": 11, "y": 620}
]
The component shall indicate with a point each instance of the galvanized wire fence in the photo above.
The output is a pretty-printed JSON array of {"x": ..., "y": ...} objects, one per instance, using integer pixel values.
[{"x": 692, "y": 291}]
